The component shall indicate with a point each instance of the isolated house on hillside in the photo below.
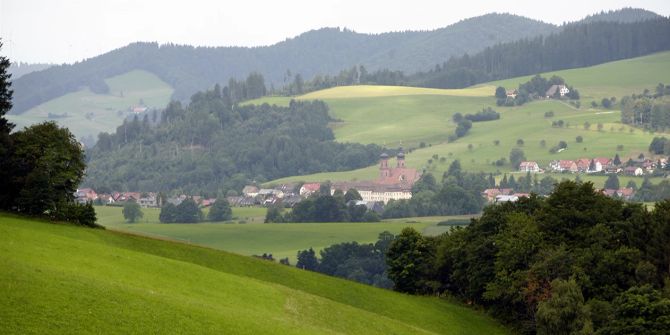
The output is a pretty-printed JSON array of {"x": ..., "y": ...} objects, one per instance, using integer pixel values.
[{"x": 561, "y": 90}]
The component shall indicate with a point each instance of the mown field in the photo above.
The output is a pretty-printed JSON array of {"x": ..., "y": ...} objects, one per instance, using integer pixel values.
[
  {"x": 61, "y": 279},
  {"x": 389, "y": 119},
  {"x": 255, "y": 238},
  {"x": 126, "y": 91}
]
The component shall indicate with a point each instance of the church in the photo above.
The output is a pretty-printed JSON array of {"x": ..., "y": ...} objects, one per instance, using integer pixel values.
[{"x": 393, "y": 182}]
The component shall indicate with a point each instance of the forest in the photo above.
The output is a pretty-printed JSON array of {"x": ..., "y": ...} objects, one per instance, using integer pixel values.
[
  {"x": 213, "y": 144},
  {"x": 575, "y": 262}
]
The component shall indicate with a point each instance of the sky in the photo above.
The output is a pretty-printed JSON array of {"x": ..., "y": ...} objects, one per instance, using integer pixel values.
[{"x": 59, "y": 31}]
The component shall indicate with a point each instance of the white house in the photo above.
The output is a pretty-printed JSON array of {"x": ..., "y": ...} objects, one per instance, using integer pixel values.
[{"x": 529, "y": 167}]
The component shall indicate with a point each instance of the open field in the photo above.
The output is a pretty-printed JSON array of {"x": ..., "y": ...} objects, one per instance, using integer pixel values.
[
  {"x": 279, "y": 239},
  {"x": 613, "y": 79},
  {"x": 89, "y": 114},
  {"x": 65, "y": 279},
  {"x": 427, "y": 118}
]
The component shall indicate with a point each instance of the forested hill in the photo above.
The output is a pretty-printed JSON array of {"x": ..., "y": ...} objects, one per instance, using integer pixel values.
[
  {"x": 625, "y": 15},
  {"x": 214, "y": 145},
  {"x": 577, "y": 45},
  {"x": 324, "y": 51}
]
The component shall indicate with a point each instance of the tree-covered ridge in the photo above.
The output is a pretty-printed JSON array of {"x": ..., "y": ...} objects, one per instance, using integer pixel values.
[
  {"x": 318, "y": 52},
  {"x": 213, "y": 145},
  {"x": 576, "y": 262},
  {"x": 576, "y": 45}
]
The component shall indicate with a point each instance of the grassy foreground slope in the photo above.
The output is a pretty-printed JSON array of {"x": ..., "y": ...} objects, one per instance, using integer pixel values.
[
  {"x": 418, "y": 117},
  {"x": 89, "y": 114},
  {"x": 64, "y": 279},
  {"x": 256, "y": 238}
]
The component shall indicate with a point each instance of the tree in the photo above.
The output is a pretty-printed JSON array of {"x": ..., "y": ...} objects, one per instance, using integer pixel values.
[
  {"x": 639, "y": 310},
  {"x": 564, "y": 312},
  {"x": 168, "y": 213},
  {"x": 617, "y": 160},
  {"x": 307, "y": 260},
  {"x": 132, "y": 211},
  {"x": 352, "y": 194},
  {"x": 457, "y": 117},
  {"x": 220, "y": 210},
  {"x": 48, "y": 165},
  {"x": 274, "y": 215},
  {"x": 607, "y": 103},
  {"x": 579, "y": 139},
  {"x": 188, "y": 212},
  {"x": 516, "y": 156},
  {"x": 5, "y": 140},
  {"x": 501, "y": 93},
  {"x": 410, "y": 259},
  {"x": 612, "y": 182},
  {"x": 519, "y": 142}
]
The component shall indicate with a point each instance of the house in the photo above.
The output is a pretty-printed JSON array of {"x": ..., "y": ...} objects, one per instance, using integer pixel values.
[
  {"x": 648, "y": 165},
  {"x": 562, "y": 90},
  {"x": 149, "y": 200},
  {"x": 85, "y": 195},
  {"x": 662, "y": 163},
  {"x": 511, "y": 94},
  {"x": 270, "y": 193},
  {"x": 601, "y": 163},
  {"x": 563, "y": 166},
  {"x": 250, "y": 191},
  {"x": 633, "y": 171},
  {"x": 583, "y": 164},
  {"x": 491, "y": 193},
  {"x": 139, "y": 109},
  {"x": 529, "y": 167},
  {"x": 106, "y": 199},
  {"x": 506, "y": 198},
  {"x": 625, "y": 193},
  {"x": 307, "y": 189}
]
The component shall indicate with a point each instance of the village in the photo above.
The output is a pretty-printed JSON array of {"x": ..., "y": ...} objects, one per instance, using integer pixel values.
[{"x": 393, "y": 183}]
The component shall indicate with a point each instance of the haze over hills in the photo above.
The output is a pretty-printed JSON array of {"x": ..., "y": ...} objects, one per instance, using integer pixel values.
[{"x": 323, "y": 51}]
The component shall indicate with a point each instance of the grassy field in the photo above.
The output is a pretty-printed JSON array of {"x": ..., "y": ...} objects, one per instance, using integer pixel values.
[
  {"x": 256, "y": 238},
  {"x": 422, "y": 117},
  {"x": 60, "y": 279},
  {"x": 89, "y": 114}
]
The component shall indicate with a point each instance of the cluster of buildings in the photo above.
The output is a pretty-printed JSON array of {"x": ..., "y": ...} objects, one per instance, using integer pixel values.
[
  {"x": 145, "y": 200},
  {"x": 634, "y": 167},
  {"x": 497, "y": 195}
]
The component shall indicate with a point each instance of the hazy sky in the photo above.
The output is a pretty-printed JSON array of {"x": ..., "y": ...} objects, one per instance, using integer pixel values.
[{"x": 65, "y": 31}]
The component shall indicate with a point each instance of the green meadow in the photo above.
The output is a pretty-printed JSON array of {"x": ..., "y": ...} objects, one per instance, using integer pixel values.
[
  {"x": 89, "y": 114},
  {"x": 390, "y": 119},
  {"x": 75, "y": 280},
  {"x": 255, "y": 238}
]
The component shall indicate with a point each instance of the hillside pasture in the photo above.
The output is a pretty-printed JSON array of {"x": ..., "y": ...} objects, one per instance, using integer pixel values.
[
  {"x": 86, "y": 113},
  {"x": 61, "y": 279}
]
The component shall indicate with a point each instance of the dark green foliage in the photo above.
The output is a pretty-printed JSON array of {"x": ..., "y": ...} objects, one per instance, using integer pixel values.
[
  {"x": 274, "y": 215},
  {"x": 410, "y": 261},
  {"x": 558, "y": 265},
  {"x": 48, "y": 165},
  {"x": 352, "y": 194},
  {"x": 487, "y": 114},
  {"x": 516, "y": 156},
  {"x": 564, "y": 312},
  {"x": 79, "y": 214},
  {"x": 501, "y": 93},
  {"x": 186, "y": 212},
  {"x": 212, "y": 145},
  {"x": 307, "y": 260},
  {"x": 660, "y": 146},
  {"x": 132, "y": 211},
  {"x": 612, "y": 182},
  {"x": 327, "y": 208},
  {"x": 576, "y": 45},
  {"x": 646, "y": 110},
  {"x": 462, "y": 128},
  {"x": 220, "y": 210}
]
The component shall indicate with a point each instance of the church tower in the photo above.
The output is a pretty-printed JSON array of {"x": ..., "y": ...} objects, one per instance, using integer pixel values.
[
  {"x": 400, "y": 158},
  {"x": 384, "y": 171}
]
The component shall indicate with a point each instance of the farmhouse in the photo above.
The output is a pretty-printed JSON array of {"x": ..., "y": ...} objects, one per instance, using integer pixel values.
[
  {"x": 393, "y": 182},
  {"x": 250, "y": 191},
  {"x": 562, "y": 90},
  {"x": 601, "y": 163},
  {"x": 491, "y": 193},
  {"x": 529, "y": 167},
  {"x": 511, "y": 94},
  {"x": 563, "y": 166},
  {"x": 307, "y": 189},
  {"x": 633, "y": 171}
]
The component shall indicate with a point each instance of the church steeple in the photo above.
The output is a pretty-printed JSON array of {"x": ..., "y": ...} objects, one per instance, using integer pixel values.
[
  {"x": 400, "y": 158},
  {"x": 384, "y": 165}
]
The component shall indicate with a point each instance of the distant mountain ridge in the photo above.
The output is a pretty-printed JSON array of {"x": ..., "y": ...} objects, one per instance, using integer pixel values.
[{"x": 324, "y": 51}]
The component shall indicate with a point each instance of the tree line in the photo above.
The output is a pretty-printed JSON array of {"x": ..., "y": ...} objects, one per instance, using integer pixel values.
[
  {"x": 576, "y": 45},
  {"x": 40, "y": 166},
  {"x": 574, "y": 262},
  {"x": 648, "y": 110}
]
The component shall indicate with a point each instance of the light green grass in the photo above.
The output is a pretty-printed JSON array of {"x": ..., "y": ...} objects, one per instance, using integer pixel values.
[
  {"x": 427, "y": 118},
  {"x": 613, "y": 79},
  {"x": 255, "y": 238},
  {"x": 60, "y": 279},
  {"x": 126, "y": 91},
  {"x": 369, "y": 91}
]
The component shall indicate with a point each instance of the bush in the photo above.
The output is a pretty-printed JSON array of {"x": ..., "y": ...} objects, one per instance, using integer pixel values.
[
  {"x": 579, "y": 139},
  {"x": 549, "y": 114},
  {"x": 132, "y": 211}
]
